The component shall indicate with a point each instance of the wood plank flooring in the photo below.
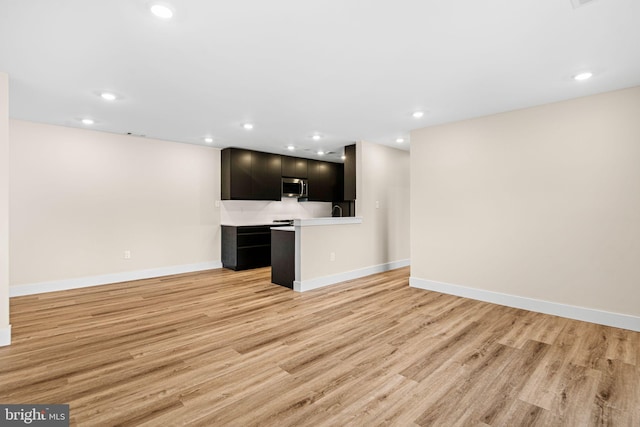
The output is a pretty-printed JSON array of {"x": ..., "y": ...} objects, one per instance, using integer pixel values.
[{"x": 220, "y": 348}]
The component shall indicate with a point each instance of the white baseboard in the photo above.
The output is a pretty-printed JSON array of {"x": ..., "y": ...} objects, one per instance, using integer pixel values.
[
  {"x": 617, "y": 320},
  {"x": 5, "y": 336},
  {"x": 307, "y": 285},
  {"x": 83, "y": 282}
]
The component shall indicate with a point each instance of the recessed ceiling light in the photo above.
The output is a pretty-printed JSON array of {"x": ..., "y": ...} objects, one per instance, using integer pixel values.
[
  {"x": 208, "y": 140},
  {"x": 583, "y": 76},
  {"x": 108, "y": 96},
  {"x": 247, "y": 126},
  {"x": 343, "y": 157},
  {"x": 417, "y": 114},
  {"x": 162, "y": 11},
  {"x": 400, "y": 140},
  {"x": 316, "y": 137},
  {"x": 87, "y": 121},
  {"x": 320, "y": 153},
  {"x": 291, "y": 147}
]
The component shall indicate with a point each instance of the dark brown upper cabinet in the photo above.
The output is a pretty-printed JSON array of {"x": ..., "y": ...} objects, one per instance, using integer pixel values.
[
  {"x": 254, "y": 175},
  {"x": 325, "y": 181},
  {"x": 235, "y": 170},
  {"x": 294, "y": 167},
  {"x": 350, "y": 172},
  {"x": 249, "y": 175},
  {"x": 266, "y": 169}
]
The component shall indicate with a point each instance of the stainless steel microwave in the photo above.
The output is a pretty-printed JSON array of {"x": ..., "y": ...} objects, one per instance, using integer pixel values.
[{"x": 295, "y": 187}]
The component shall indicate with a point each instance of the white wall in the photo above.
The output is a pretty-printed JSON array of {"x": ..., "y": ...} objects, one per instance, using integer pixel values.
[
  {"x": 250, "y": 212},
  {"x": 541, "y": 203},
  {"x": 383, "y": 237},
  {"x": 5, "y": 330},
  {"x": 80, "y": 198}
]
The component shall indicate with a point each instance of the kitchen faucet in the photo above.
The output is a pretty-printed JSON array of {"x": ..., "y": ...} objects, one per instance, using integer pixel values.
[{"x": 339, "y": 209}]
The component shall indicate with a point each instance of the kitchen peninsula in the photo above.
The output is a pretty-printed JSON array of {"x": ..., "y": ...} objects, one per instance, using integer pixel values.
[
  {"x": 288, "y": 249},
  {"x": 260, "y": 189}
]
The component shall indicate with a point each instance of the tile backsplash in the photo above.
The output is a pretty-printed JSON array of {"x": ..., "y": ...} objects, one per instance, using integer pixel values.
[{"x": 247, "y": 212}]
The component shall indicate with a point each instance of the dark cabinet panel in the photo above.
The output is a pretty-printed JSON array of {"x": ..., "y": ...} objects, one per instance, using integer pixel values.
[
  {"x": 235, "y": 174},
  {"x": 283, "y": 255},
  {"x": 338, "y": 188},
  {"x": 350, "y": 172},
  {"x": 241, "y": 174},
  {"x": 325, "y": 181},
  {"x": 246, "y": 247},
  {"x": 288, "y": 166},
  {"x": 319, "y": 185},
  {"x": 266, "y": 171},
  {"x": 249, "y": 175},
  {"x": 302, "y": 168},
  {"x": 254, "y": 175},
  {"x": 294, "y": 167}
]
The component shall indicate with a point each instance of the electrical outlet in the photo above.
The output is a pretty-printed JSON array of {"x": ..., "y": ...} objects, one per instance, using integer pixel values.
[
  {"x": 127, "y": 255},
  {"x": 332, "y": 256},
  {"x": 217, "y": 203},
  {"x": 377, "y": 204}
]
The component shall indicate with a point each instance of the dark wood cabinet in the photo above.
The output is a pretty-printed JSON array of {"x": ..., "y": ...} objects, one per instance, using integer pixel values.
[
  {"x": 294, "y": 167},
  {"x": 319, "y": 185},
  {"x": 350, "y": 172},
  {"x": 338, "y": 189},
  {"x": 246, "y": 247},
  {"x": 249, "y": 175},
  {"x": 266, "y": 172},
  {"x": 235, "y": 179},
  {"x": 325, "y": 181},
  {"x": 283, "y": 256},
  {"x": 254, "y": 175}
]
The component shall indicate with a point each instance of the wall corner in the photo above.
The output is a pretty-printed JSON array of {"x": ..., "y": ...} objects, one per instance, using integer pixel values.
[{"x": 5, "y": 328}]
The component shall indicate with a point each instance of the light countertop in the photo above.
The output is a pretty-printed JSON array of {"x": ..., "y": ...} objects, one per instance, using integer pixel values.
[
  {"x": 287, "y": 228},
  {"x": 337, "y": 220},
  {"x": 255, "y": 224},
  {"x": 305, "y": 222}
]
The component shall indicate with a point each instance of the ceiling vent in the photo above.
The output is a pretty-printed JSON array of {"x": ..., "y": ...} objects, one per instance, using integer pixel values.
[
  {"x": 135, "y": 134},
  {"x": 579, "y": 3}
]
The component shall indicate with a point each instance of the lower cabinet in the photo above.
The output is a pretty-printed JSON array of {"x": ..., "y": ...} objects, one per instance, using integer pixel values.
[
  {"x": 246, "y": 247},
  {"x": 283, "y": 257}
]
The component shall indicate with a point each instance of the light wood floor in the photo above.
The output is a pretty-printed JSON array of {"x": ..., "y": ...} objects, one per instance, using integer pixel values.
[{"x": 224, "y": 348}]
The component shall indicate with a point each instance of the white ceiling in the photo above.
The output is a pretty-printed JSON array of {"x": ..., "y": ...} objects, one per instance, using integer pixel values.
[{"x": 346, "y": 69}]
